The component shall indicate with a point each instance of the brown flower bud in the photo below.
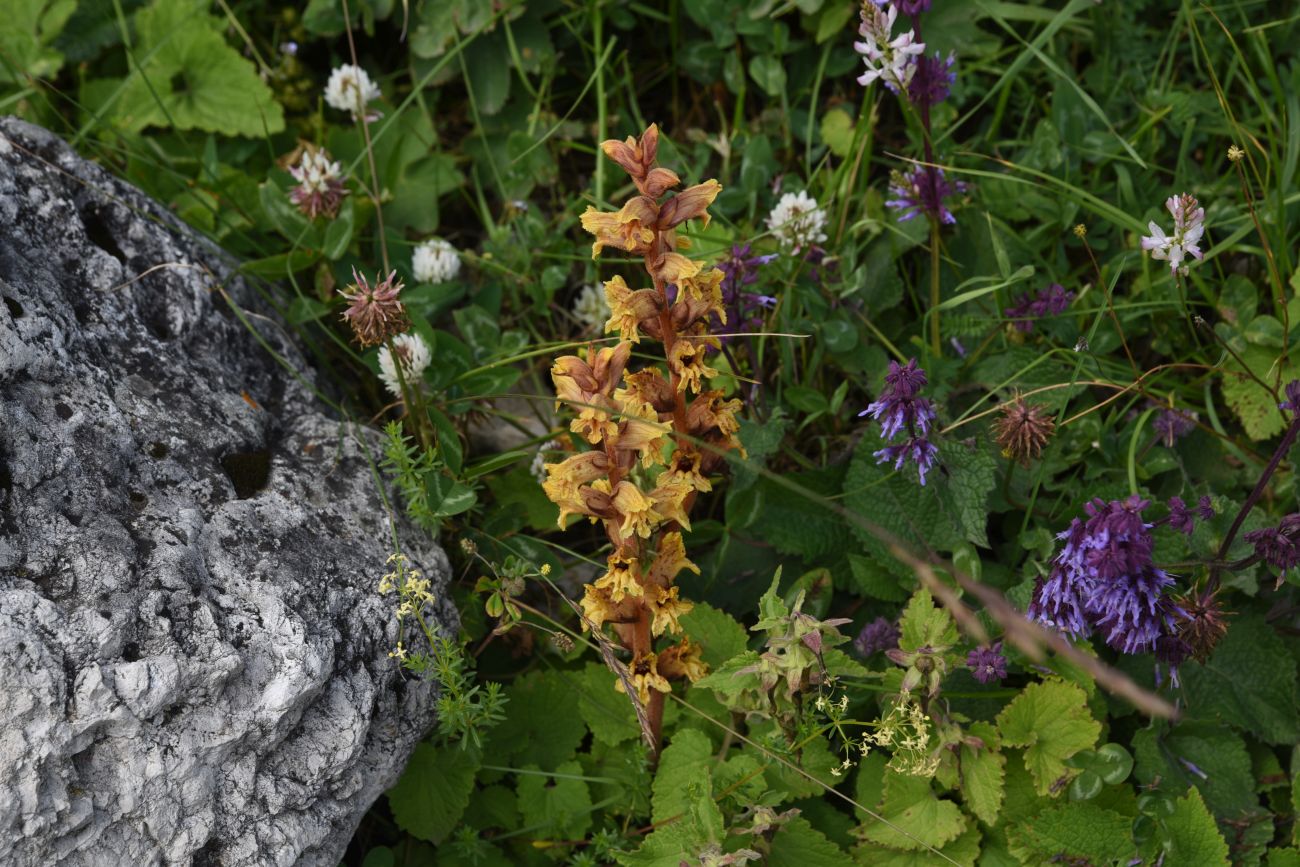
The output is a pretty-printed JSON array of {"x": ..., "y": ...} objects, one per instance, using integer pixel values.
[{"x": 1023, "y": 430}]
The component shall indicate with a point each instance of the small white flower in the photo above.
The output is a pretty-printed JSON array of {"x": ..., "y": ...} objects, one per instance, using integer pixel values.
[
  {"x": 886, "y": 57},
  {"x": 538, "y": 466},
  {"x": 435, "y": 261},
  {"x": 591, "y": 308},
  {"x": 350, "y": 89},
  {"x": 797, "y": 222},
  {"x": 1189, "y": 226},
  {"x": 415, "y": 356}
]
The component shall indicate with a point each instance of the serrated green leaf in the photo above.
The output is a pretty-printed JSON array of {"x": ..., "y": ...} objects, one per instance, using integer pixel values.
[
  {"x": 1283, "y": 858},
  {"x": 1073, "y": 830},
  {"x": 799, "y": 525},
  {"x": 917, "y": 816},
  {"x": 971, "y": 476},
  {"x": 1249, "y": 681},
  {"x": 871, "y": 579},
  {"x": 1190, "y": 835},
  {"x": 798, "y": 844},
  {"x": 541, "y": 728},
  {"x": 432, "y": 793},
  {"x": 964, "y": 850},
  {"x": 683, "y": 761},
  {"x": 555, "y": 806},
  {"x": 1254, "y": 405},
  {"x": 186, "y": 76},
  {"x": 719, "y": 635},
  {"x": 923, "y": 624},
  {"x": 1051, "y": 720},
  {"x": 605, "y": 710},
  {"x": 983, "y": 775},
  {"x": 27, "y": 30},
  {"x": 1226, "y": 780}
]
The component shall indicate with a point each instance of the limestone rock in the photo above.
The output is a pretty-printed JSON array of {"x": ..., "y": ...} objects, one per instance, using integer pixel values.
[{"x": 193, "y": 656}]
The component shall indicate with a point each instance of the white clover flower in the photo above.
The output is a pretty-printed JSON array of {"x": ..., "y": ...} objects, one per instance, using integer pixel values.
[
  {"x": 350, "y": 89},
  {"x": 591, "y": 308},
  {"x": 435, "y": 261},
  {"x": 797, "y": 222},
  {"x": 538, "y": 466},
  {"x": 1189, "y": 226},
  {"x": 415, "y": 356},
  {"x": 886, "y": 57},
  {"x": 320, "y": 184}
]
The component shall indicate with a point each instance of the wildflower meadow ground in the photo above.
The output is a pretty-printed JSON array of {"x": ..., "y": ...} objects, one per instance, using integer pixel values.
[{"x": 863, "y": 432}]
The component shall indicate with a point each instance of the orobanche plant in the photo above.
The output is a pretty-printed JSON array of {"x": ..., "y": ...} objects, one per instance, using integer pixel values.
[{"x": 656, "y": 434}]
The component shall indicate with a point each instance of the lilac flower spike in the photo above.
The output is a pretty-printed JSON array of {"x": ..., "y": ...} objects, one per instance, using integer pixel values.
[
  {"x": 1189, "y": 226},
  {"x": 886, "y": 57},
  {"x": 987, "y": 664},
  {"x": 1172, "y": 425},
  {"x": 923, "y": 190},
  {"x": 744, "y": 308},
  {"x": 932, "y": 80},
  {"x": 1104, "y": 579},
  {"x": 1183, "y": 519},
  {"x": 1278, "y": 546},
  {"x": 1052, "y": 301},
  {"x": 899, "y": 409}
]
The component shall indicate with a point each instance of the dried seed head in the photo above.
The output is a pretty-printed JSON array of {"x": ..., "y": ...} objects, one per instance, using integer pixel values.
[
  {"x": 374, "y": 312},
  {"x": 1199, "y": 621},
  {"x": 1023, "y": 430}
]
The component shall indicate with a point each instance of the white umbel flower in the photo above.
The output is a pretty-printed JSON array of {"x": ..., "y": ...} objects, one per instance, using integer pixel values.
[
  {"x": 886, "y": 57},
  {"x": 350, "y": 89},
  {"x": 415, "y": 356},
  {"x": 591, "y": 308},
  {"x": 797, "y": 222},
  {"x": 435, "y": 261}
]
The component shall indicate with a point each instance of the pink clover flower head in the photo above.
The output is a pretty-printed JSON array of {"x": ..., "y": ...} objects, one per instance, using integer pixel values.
[
  {"x": 320, "y": 187},
  {"x": 887, "y": 57},
  {"x": 375, "y": 312},
  {"x": 1189, "y": 227}
]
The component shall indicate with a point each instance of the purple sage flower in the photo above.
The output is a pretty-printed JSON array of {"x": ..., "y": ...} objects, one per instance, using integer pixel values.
[
  {"x": 1183, "y": 519},
  {"x": 908, "y": 7},
  {"x": 1052, "y": 301},
  {"x": 1104, "y": 579},
  {"x": 931, "y": 80},
  {"x": 744, "y": 308},
  {"x": 879, "y": 634},
  {"x": 987, "y": 664},
  {"x": 900, "y": 409},
  {"x": 1278, "y": 546},
  {"x": 1292, "y": 402},
  {"x": 923, "y": 190},
  {"x": 1171, "y": 425}
]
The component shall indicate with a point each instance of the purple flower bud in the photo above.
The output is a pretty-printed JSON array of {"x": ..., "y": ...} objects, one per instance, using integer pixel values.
[
  {"x": 1292, "y": 401},
  {"x": 1172, "y": 425},
  {"x": 879, "y": 634},
  {"x": 1052, "y": 301},
  {"x": 931, "y": 81}
]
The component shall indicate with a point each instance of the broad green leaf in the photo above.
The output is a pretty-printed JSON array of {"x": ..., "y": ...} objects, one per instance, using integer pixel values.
[
  {"x": 605, "y": 710},
  {"x": 27, "y": 30},
  {"x": 486, "y": 72},
  {"x": 971, "y": 477},
  {"x": 923, "y": 624},
  {"x": 1288, "y": 857},
  {"x": 719, "y": 635},
  {"x": 1222, "y": 766},
  {"x": 801, "y": 525},
  {"x": 837, "y": 131},
  {"x": 555, "y": 806},
  {"x": 685, "y": 760},
  {"x": 1190, "y": 835},
  {"x": 428, "y": 800},
  {"x": 1051, "y": 721},
  {"x": 868, "y": 577},
  {"x": 983, "y": 775},
  {"x": 1249, "y": 681},
  {"x": 798, "y": 844},
  {"x": 768, "y": 72},
  {"x": 186, "y": 76},
  {"x": 917, "y": 816},
  {"x": 964, "y": 850},
  {"x": 541, "y": 728},
  {"x": 1256, "y": 407},
  {"x": 1073, "y": 830}
]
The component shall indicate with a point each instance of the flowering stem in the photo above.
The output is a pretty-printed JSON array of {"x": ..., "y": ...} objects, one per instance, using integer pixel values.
[
  {"x": 1288, "y": 440},
  {"x": 414, "y": 406},
  {"x": 370, "y": 153}
]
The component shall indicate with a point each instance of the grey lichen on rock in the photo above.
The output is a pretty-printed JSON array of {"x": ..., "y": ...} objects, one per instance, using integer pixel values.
[{"x": 193, "y": 656}]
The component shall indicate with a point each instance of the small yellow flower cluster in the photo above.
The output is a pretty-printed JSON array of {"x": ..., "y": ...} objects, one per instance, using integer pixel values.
[
  {"x": 414, "y": 592},
  {"x": 655, "y": 437}
]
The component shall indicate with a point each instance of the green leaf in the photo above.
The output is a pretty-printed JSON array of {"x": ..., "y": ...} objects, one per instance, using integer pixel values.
[
  {"x": 925, "y": 625},
  {"x": 769, "y": 74},
  {"x": 1254, "y": 405},
  {"x": 27, "y": 30},
  {"x": 1080, "y": 830},
  {"x": 558, "y": 806},
  {"x": 837, "y": 131},
  {"x": 1283, "y": 858},
  {"x": 541, "y": 727},
  {"x": 1249, "y": 681},
  {"x": 871, "y": 579},
  {"x": 801, "y": 525},
  {"x": 719, "y": 635},
  {"x": 964, "y": 850},
  {"x": 971, "y": 476},
  {"x": 798, "y": 844},
  {"x": 428, "y": 800},
  {"x": 605, "y": 710},
  {"x": 983, "y": 775},
  {"x": 684, "y": 761},
  {"x": 918, "y": 817},
  {"x": 1190, "y": 835},
  {"x": 487, "y": 72},
  {"x": 1226, "y": 781},
  {"x": 186, "y": 76},
  {"x": 1051, "y": 720}
]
